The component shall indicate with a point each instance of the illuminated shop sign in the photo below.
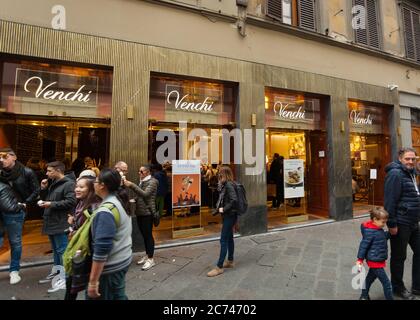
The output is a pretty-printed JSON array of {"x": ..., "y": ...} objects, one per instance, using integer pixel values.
[
  {"x": 358, "y": 118},
  {"x": 52, "y": 86},
  {"x": 290, "y": 111},
  {"x": 192, "y": 99}
]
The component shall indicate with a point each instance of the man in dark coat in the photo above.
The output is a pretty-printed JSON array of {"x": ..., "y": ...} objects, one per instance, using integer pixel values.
[
  {"x": 60, "y": 200},
  {"x": 402, "y": 201},
  {"x": 25, "y": 187}
]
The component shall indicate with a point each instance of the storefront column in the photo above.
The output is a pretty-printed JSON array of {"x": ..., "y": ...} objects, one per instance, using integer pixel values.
[
  {"x": 339, "y": 164},
  {"x": 251, "y": 101}
]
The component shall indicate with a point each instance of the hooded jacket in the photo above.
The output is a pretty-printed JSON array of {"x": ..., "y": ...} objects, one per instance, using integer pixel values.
[
  {"x": 374, "y": 246},
  {"x": 402, "y": 201}
]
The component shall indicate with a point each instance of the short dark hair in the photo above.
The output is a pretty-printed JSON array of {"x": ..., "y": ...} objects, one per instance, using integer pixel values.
[
  {"x": 148, "y": 167},
  {"x": 404, "y": 150},
  {"x": 57, "y": 165},
  {"x": 378, "y": 213}
]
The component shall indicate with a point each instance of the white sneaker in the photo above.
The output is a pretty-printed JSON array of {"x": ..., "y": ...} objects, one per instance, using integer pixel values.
[
  {"x": 60, "y": 284},
  {"x": 142, "y": 260},
  {"x": 49, "y": 277},
  {"x": 14, "y": 277},
  {"x": 149, "y": 263}
]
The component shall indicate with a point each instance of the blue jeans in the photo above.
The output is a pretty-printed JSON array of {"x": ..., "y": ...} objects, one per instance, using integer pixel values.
[
  {"x": 13, "y": 224},
  {"x": 383, "y": 278},
  {"x": 59, "y": 245},
  {"x": 226, "y": 239}
]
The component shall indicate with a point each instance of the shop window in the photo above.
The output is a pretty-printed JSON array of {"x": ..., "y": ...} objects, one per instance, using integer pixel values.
[
  {"x": 53, "y": 89},
  {"x": 411, "y": 25},
  {"x": 370, "y": 35},
  {"x": 299, "y": 13}
]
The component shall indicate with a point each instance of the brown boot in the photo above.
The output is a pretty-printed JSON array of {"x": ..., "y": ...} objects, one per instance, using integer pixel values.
[
  {"x": 215, "y": 272},
  {"x": 228, "y": 264}
]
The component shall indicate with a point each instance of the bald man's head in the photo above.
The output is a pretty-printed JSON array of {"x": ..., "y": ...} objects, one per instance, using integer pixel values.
[{"x": 121, "y": 166}]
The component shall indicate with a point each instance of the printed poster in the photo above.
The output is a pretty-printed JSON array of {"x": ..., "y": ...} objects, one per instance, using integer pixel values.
[
  {"x": 294, "y": 179},
  {"x": 186, "y": 184}
]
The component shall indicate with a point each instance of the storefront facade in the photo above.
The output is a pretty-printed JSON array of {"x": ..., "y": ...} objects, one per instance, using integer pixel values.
[{"x": 138, "y": 69}]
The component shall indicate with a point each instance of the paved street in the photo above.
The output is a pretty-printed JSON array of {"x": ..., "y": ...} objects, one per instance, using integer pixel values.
[{"x": 306, "y": 263}]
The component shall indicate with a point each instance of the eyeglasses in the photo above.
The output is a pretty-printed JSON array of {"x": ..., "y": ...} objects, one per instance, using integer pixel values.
[
  {"x": 96, "y": 181},
  {"x": 410, "y": 159},
  {"x": 3, "y": 155}
]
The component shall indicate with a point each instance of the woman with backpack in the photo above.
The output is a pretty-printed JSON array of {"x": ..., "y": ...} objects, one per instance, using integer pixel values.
[
  {"x": 227, "y": 207},
  {"x": 111, "y": 240},
  {"x": 86, "y": 200}
]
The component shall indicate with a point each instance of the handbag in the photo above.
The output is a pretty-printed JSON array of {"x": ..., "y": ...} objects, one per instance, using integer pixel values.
[{"x": 156, "y": 218}]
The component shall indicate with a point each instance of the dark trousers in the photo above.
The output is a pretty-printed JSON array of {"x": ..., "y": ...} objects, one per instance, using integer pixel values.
[
  {"x": 145, "y": 224},
  {"x": 383, "y": 278},
  {"x": 279, "y": 194},
  {"x": 112, "y": 286},
  {"x": 226, "y": 239},
  {"x": 407, "y": 235},
  {"x": 69, "y": 295}
]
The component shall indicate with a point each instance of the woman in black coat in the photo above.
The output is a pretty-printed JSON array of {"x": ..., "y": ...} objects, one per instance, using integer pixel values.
[{"x": 226, "y": 206}]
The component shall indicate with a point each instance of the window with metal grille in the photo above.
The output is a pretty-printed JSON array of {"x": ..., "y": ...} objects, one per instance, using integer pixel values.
[
  {"x": 299, "y": 13},
  {"x": 368, "y": 33},
  {"x": 411, "y": 23}
]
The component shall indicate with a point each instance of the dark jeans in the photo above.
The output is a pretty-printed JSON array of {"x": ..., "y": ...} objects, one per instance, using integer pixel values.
[
  {"x": 383, "y": 278},
  {"x": 407, "y": 235},
  {"x": 69, "y": 295},
  {"x": 226, "y": 239},
  {"x": 13, "y": 223},
  {"x": 112, "y": 286},
  {"x": 145, "y": 224}
]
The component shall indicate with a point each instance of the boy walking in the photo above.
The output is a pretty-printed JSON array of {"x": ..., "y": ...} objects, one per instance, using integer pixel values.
[{"x": 374, "y": 249}]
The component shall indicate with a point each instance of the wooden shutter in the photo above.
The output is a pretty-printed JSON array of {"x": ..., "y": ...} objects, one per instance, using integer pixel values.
[
  {"x": 307, "y": 14},
  {"x": 370, "y": 36},
  {"x": 373, "y": 23},
  {"x": 274, "y": 9},
  {"x": 411, "y": 22}
]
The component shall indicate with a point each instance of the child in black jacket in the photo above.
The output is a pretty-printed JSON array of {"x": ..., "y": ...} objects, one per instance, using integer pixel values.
[{"x": 374, "y": 249}]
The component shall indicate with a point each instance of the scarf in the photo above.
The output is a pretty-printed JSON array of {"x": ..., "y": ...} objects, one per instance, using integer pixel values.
[{"x": 8, "y": 176}]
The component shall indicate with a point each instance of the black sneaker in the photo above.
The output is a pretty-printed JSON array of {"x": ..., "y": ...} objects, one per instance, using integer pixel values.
[
  {"x": 404, "y": 294},
  {"x": 364, "y": 298}
]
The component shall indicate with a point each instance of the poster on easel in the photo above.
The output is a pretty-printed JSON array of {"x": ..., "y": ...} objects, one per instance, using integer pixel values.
[
  {"x": 186, "y": 183},
  {"x": 294, "y": 179}
]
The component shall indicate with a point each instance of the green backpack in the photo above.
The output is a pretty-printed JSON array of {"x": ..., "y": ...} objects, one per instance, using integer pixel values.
[{"x": 81, "y": 239}]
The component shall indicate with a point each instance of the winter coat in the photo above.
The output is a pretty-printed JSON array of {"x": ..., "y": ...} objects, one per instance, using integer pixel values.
[
  {"x": 276, "y": 171},
  {"x": 23, "y": 181},
  {"x": 401, "y": 198},
  {"x": 374, "y": 246},
  {"x": 63, "y": 201},
  {"x": 228, "y": 200},
  {"x": 146, "y": 197},
  {"x": 8, "y": 201}
]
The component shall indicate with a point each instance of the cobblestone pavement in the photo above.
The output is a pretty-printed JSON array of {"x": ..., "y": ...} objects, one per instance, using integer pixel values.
[{"x": 307, "y": 263}]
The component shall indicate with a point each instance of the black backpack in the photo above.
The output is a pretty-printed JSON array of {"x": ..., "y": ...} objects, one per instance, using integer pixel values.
[{"x": 242, "y": 201}]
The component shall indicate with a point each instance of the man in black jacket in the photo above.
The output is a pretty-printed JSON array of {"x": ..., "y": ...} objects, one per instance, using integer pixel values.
[
  {"x": 60, "y": 200},
  {"x": 402, "y": 201},
  {"x": 25, "y": 190}
]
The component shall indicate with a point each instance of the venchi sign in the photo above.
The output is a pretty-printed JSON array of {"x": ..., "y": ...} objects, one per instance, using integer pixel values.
[
  {"x": 289, "y": 111},
  {"x": 182, "y": 104},
  {"x": 357, "y": 118},
  {"x": 56, "y": 86}
]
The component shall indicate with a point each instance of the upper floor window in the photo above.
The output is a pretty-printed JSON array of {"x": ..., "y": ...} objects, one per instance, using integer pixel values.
[
  {"x": 411, "y": 24},
  {"x": 300, "y": 13},
  {"x": 367, "y": 30}
]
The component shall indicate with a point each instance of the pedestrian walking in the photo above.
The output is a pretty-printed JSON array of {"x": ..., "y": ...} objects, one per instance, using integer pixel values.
[
  {"x": 145, "y": 211},
  {"x": 226, "y": 206},
  {"x": 374, "y": 249},
  {"x": 402, "y": 202},
  {"x": 111, "y": 241},
  {"x": 25, "y": 187},
  {"x": 58, "y": 200},
  {"x": 277, "y": 177},
  {"x": 86, "y": 200}
]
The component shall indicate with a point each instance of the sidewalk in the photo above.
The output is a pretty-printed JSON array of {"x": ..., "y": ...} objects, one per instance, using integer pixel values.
[{"x": 307, "y": 263}]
